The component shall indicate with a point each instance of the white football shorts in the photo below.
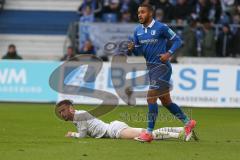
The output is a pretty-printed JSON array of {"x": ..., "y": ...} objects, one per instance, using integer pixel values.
[{"x": 115, "y": 128}]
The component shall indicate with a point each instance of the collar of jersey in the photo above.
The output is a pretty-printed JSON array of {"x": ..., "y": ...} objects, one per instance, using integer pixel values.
[
  {"x": 150, "y": 25},
  {"x": 74, "y": 117}
]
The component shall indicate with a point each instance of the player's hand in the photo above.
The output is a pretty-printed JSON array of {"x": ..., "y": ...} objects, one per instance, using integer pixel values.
[
  {"x": 69, "y": 134},
  {"x": 165, "y": 57},
  {"x": 131, "y": 46}
]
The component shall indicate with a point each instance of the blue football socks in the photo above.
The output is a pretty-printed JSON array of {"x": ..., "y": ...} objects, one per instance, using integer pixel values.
[
  {"x": 176, "y": 111},
  {"x": 152, "y": 116}
]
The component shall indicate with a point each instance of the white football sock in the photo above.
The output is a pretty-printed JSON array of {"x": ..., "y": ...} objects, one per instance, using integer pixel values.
[
  {"x": 172, "y": 129},
  {"x": 167, "y": 132}
]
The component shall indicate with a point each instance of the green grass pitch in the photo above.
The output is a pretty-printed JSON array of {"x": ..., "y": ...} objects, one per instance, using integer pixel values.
[{"x": 33, "y": 132}]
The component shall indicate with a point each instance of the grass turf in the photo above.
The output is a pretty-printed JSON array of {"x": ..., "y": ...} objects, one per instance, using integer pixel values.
[{"x": 33, "y": 132}]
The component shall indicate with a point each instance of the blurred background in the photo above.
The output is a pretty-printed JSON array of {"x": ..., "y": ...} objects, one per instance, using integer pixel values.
[{"x": 36, "y": 36}]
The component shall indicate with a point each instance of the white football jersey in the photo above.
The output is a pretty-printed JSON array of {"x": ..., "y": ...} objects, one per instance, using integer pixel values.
[{"x": 89, "y": 125}]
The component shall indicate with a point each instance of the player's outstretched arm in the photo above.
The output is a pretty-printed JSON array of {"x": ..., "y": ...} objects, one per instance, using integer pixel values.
[{"x": 75, "y": 135}]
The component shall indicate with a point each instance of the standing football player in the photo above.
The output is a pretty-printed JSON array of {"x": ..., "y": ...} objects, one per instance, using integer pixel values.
[{"x": 150, "y": 39}]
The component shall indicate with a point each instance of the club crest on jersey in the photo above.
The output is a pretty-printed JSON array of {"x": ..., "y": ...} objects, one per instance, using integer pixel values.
[{"x": 153, "y": 32}]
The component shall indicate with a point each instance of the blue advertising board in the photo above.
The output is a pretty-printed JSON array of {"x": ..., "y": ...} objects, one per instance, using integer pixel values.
[{"x": 26, "y": 81}]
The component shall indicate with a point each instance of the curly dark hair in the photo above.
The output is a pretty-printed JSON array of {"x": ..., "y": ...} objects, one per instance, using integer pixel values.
[{"x": 148, "y": 6}]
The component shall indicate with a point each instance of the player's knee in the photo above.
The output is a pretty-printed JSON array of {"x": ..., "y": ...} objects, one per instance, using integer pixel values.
[{"x": 165, "y": 102}]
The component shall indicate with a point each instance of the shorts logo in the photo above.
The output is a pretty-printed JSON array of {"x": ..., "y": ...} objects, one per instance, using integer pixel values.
[
  {"x": 153, "y": 32},
  {"x": 153, "y": 82}
]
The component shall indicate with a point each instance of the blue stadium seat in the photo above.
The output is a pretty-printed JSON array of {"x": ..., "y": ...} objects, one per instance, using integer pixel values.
[{"x": 36, "y": 22}]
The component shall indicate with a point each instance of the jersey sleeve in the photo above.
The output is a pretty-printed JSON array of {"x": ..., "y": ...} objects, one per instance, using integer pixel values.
[
  {"x": 83, "y": 116},
  {"x": 169, "y": 34},
  {"x": 137, "y": 47},
  {"x": 82, "y": 129},
  {"x": 82, "y": 134},
  {"x": 135, "y": 38}
]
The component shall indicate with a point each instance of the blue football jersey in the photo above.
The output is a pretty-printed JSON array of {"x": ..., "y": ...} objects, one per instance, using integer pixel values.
[{"x": 152, "y": 41}]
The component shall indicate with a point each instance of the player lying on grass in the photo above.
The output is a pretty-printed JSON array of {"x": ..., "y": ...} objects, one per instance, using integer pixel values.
[{"x": 87, "y": 125}]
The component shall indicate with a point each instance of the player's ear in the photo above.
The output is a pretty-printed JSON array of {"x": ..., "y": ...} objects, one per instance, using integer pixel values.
[{"x": 151, "y": 13}]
